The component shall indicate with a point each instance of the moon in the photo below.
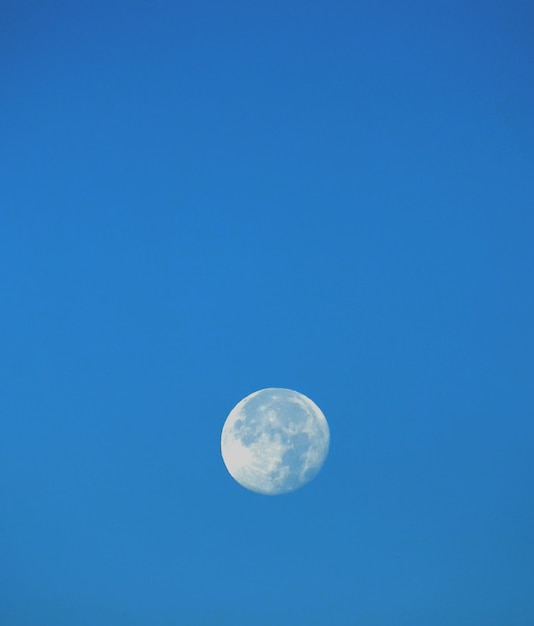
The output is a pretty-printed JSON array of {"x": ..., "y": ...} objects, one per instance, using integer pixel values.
[{"x": 275, "y": 441}]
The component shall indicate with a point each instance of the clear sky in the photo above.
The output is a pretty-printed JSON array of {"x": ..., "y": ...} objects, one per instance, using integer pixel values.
[{"x": 199, "y": 199}]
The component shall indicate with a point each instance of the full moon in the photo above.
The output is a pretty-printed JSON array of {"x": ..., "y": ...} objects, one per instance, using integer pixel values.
[{"x": 274, "y": 441}]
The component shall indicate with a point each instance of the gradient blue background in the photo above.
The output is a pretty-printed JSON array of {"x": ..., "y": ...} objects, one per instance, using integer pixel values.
[{"x": 200, "y": 199}]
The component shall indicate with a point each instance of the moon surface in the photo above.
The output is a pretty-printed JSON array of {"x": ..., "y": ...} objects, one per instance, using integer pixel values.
[{"x": 275, "y": 441}]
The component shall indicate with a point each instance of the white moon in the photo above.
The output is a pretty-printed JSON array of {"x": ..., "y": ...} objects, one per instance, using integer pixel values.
[{"x": 275, "y": 441}]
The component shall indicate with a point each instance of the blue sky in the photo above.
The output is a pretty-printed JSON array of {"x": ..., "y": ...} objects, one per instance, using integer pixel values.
[{"x": 202, "y": 199}]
